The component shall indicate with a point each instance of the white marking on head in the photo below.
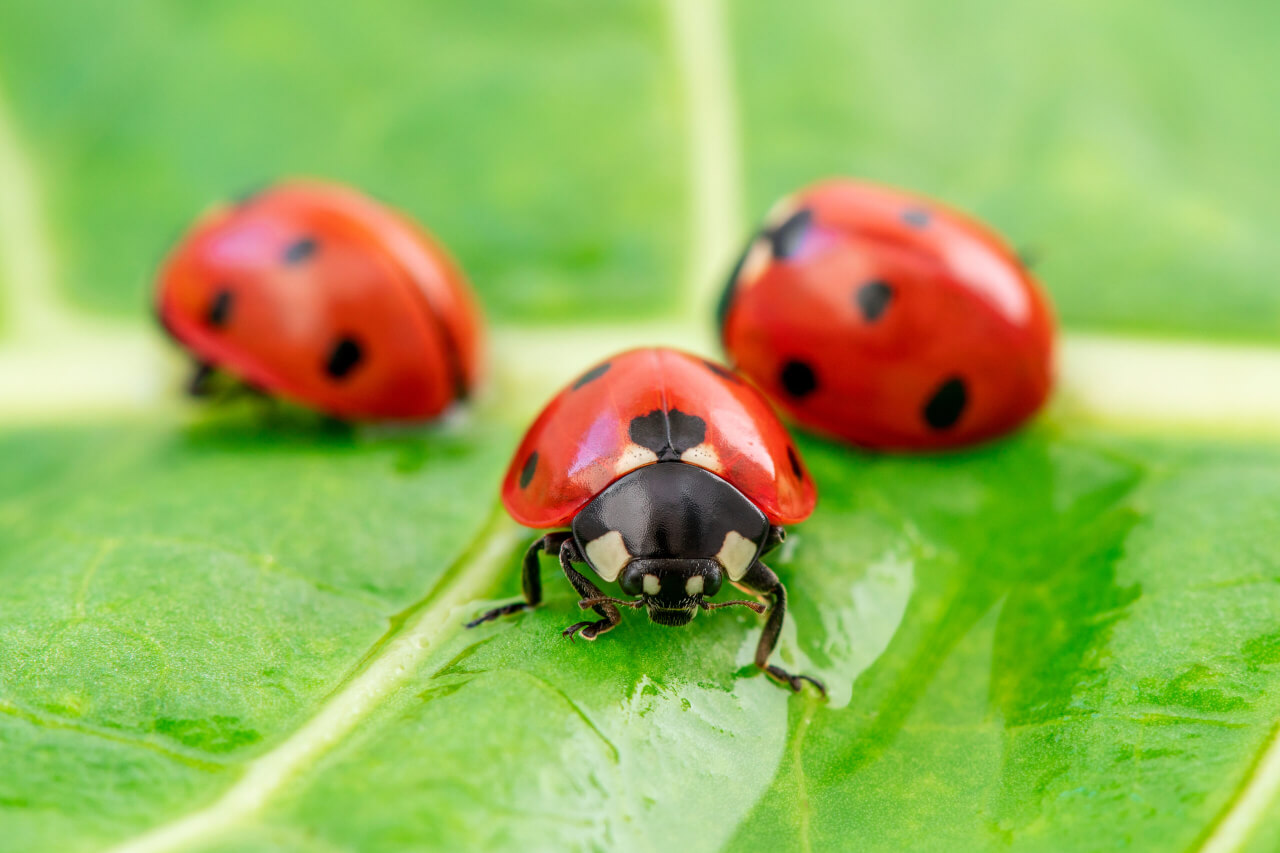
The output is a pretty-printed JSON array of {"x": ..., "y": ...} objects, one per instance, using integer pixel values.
[
  {"x": 736, "y": 555},
  {"x": 693, "y": 586},
  {"x": 608, "y": 555},
  {"x": 633, "y": 457},
  {"x": 704, "y": 456},
  {"x": 651, "y": 585}
]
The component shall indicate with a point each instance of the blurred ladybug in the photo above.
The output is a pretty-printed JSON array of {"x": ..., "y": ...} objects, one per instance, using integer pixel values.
[
  {"x": 888, "y": 320},
  {"x": 316, "y": 293},
  {"x": 671, "y": 475}
]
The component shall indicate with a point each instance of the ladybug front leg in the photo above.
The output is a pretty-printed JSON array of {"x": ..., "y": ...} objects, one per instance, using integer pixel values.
[
  {"x": 761, "y": 580},
  {"x": 201, "y": 382},
  {"x": 569, "y": 554},
  {"x": 530, "y": 577}
]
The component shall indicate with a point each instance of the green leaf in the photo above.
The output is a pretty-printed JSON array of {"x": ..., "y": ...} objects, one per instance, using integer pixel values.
[
  {"x": 180, "y": 598},
  {"x": 557, "y": 195},
  {"x": 1129, "y": 175},
  {"x": 1043, "y": 643},
  {"x": 1088, "y": 660},
  {"x": 242, "y": 630}
]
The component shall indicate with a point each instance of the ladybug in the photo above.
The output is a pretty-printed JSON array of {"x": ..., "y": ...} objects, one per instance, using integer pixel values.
[
  {"x": 314, "y": 292},
  {"x": 666, "y": 474},
  {"x": 888, "y": 320}
]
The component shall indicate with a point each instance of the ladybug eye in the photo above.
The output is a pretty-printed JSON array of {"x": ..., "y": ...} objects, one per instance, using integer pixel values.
[
  {"x": 872, "y": 299},
  {"x": 343, "y": 358},
  {"x": 220, "y": 308},
  {"x": 300, "y": 250}
]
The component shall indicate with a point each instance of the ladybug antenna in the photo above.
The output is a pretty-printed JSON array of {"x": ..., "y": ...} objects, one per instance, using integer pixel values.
[
  {"x": 604, "y": 599},
  {"x": 754, "y": 605}
]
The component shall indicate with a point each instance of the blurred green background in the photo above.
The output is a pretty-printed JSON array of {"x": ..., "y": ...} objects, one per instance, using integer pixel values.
[
  {"x": 1068, "y": 640},
  {"x": 1129, "y": 146}
]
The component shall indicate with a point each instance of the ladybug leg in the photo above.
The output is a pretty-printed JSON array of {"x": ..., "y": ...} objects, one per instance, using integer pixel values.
[
  {"x": 201, "y": 382},
  {"x": 530, "y": 577},
  {"x": 205, "y": 381},
  {"x": 569, "y": 555},
  {"x": 777, "y": 535},
  {"x": 761, "y": 580}
]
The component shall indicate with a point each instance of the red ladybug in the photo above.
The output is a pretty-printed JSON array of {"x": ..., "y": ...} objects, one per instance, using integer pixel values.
[
  {"x": 889, "y": 320},
  {"x": 317, "y": 293},
  {"x": 671, "y": 474}
]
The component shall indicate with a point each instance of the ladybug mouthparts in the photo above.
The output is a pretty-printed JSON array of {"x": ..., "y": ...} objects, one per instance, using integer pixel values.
[
  {"x": 672, "y": 591},
  {"x": 671, "y": 616}
]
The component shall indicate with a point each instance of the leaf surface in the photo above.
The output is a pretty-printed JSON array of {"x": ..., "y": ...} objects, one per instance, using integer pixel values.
[{"x": 242, "y": 631}]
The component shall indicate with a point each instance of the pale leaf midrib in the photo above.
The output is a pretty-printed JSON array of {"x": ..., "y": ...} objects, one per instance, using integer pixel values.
[
  {"x": 475, "y": 573},
  {"x": 1251, "y": 802}
]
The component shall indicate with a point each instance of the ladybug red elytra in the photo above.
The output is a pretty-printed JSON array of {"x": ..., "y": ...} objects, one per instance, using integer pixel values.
[
  {"x": 317, "y": 293},
  {"x": 671, "y": 473},
  {"x": 888, "y": 320}
]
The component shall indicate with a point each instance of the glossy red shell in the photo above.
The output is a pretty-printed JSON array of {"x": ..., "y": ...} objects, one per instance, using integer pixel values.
[
  {"x": 951, "y": 344},
  {"x": 581, "y": 442},
  {"x": 309, "y": 265}
]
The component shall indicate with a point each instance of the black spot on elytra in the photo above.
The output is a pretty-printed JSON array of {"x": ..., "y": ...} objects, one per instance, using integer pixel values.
[
  {"x": 299, "y": 250},
  {"x": 945, "y": 406},
  {"x": 796, "y": 467},
  {"x": 787, "y": 237},
  {"x": 798, "y": 379},
  {"x": 668, "y": 434},
  {"x": 872, "y": 299},
  {"x": 722, "y": 372},
  {"x": 592, "y": 375},
  {"x": 526, "y": 472},
  {"x": 220, "y": 308},
  {"x": 343, "y": 358},
  {"x": 916, "y": 217}
]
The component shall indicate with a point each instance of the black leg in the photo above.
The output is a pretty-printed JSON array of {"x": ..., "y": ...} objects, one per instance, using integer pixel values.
[
  {"x": 206, "y": 381},
  {"x": 569, "y": 555},
  {"x": 201, "y": 382},
  {"x": 530, "y": 578},
  {"x": 777, "y": 535},
  {"x": 761, "y": 579}
]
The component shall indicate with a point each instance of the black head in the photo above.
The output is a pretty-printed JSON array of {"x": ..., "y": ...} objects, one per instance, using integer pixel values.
[
  {"x": 671, "y": 589},
  {"x": 669, "y": 533}
]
